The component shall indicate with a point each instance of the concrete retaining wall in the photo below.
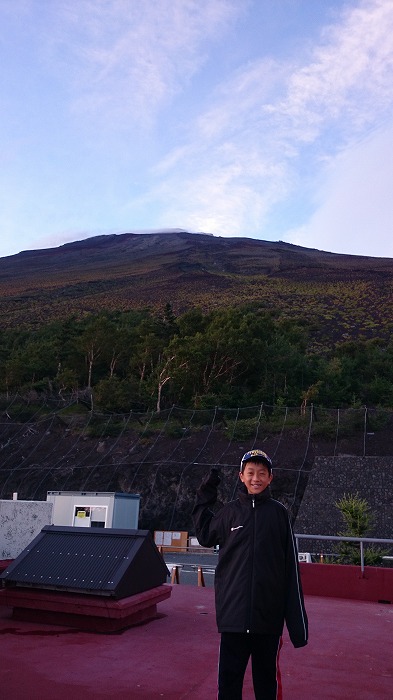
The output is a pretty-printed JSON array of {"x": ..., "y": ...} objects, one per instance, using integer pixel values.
[
  {"x": 20, "y": 522},
  {"x": 333, "y": 477}
]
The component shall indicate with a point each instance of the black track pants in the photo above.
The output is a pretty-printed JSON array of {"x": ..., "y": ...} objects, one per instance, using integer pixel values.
[{"x": 235, "y": 651}]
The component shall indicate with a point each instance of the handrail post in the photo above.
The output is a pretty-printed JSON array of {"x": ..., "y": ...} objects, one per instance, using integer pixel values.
[{"x": 362, "y": 557}]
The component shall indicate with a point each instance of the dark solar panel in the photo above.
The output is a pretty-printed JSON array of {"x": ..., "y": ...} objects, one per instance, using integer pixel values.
[{"x": 106, "y": 562}]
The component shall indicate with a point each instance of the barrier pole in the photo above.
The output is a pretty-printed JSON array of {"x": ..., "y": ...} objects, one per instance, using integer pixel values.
[
  {"x": 201, "y": 579},
  {"x": 175, "y": 578}
]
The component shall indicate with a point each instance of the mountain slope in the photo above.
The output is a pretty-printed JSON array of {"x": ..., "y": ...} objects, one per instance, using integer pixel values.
[{"x": 349, "y": 296}]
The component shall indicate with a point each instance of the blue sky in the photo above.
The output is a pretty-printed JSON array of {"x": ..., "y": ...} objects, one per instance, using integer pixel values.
[{"x": 268, "y": 119}]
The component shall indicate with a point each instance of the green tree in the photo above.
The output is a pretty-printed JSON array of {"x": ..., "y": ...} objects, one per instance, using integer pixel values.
[
  {"x": 117, "y": 395},
  {"x": 98, "y": 343},
  {"x": 359, "y": 521}
]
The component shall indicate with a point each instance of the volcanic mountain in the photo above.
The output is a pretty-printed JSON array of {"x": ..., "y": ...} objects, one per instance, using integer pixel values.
[{"x": 350, "y": 295}]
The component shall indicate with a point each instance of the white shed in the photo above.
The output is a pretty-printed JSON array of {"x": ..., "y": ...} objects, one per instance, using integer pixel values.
[{"x": 95, "y": 509}]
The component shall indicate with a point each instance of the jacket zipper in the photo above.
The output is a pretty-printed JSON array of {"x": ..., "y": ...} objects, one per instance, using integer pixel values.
[{"x": 252, "y": 568}]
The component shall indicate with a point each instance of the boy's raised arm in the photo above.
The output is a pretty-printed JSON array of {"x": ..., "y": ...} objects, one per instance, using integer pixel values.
[{"x": 202, "y": 514}]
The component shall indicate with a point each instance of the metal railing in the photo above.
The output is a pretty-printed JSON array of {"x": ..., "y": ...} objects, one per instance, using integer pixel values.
[
  {"x": 335, "y": 538},
  {"x": 328, "y": 538}
]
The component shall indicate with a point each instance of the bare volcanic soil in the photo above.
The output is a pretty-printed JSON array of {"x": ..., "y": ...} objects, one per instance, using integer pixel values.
[{"x": 341, "y": 297}]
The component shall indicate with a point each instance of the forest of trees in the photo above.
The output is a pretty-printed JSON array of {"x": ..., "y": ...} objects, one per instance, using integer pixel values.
[{"x": 141, "y": 360}]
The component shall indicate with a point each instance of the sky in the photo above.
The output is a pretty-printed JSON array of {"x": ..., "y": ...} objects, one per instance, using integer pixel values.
[{"x": 266, "y": 119}]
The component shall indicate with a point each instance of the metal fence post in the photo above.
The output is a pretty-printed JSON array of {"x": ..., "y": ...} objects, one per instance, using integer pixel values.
[{"x": 362, "y": 557}]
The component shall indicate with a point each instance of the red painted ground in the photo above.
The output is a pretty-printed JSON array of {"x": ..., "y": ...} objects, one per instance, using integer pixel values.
[{"x": 349, "y": 655}]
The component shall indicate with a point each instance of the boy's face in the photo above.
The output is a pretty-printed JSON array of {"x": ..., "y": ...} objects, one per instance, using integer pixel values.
[{"x": 255, "y": 477}]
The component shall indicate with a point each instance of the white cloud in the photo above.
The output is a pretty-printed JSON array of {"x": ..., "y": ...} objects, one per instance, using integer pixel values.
[
  {"x": 274, "y": 125},
  {"x": 126, "y": 60},
  {"x": 355, "y": 201},
  {"x": 221, "y": 197},
  {"x": 349, "y": 75}
]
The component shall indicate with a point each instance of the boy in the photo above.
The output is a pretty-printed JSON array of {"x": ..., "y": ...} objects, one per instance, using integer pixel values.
[{"x": 257, "y": 584}]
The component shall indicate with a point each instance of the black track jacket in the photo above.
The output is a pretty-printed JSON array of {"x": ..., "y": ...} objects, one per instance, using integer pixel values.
[{"x": 257, "y": 583}]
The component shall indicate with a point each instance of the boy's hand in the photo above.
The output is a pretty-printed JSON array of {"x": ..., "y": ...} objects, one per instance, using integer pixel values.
[{"x": 207, "y": 492}]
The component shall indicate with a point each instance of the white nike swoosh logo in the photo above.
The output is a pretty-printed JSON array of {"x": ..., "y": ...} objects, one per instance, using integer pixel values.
[{"x": 236, "y": 528}]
